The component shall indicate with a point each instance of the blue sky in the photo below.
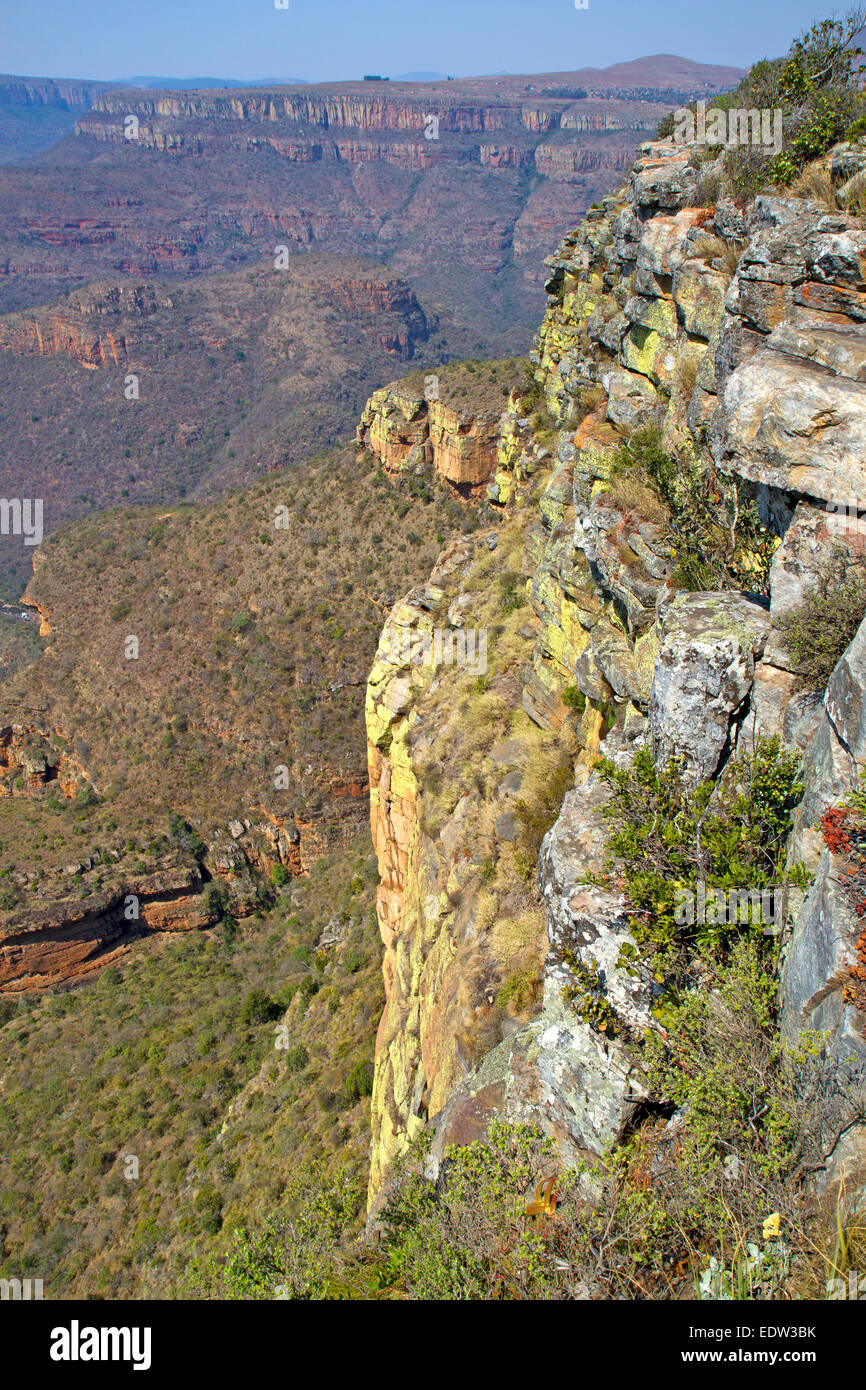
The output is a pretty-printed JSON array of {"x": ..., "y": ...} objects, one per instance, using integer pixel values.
[{"x": 324, "y": 40}]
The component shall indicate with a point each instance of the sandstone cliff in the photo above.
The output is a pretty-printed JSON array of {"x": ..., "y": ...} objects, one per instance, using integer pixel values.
[
  {"x": 461, "y": 420},
  {"x": 738, "y": 332}
]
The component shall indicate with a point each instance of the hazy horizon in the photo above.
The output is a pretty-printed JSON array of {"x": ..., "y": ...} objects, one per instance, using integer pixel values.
[{"x": 223, "y": 40}]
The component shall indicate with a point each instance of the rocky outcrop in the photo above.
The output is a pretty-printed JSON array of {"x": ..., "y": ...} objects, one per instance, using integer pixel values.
[
  {"x": 45, "y": 946},
  {"x": 90, "y": 327},
  {"x": 31, "y": 759},
  {"x": 57, "y": 926},
  {"x": 740, "y": 332},
  {"x": 409, "y": 426},
  {"x": 59, "y": 923},
  {"x": 49, "y": 91},
  {"x": 823, "y": 958},
  {"x": 703, "y": 675}
]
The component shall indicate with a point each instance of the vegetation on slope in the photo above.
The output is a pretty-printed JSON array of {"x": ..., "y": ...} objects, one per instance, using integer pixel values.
[
  {"x": 257, "y": 619},
  {"x": 186, "y": 1091}
]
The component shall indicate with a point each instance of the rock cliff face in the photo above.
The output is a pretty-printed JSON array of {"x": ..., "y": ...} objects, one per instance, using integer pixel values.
[
  {"x": 90, "y": 910},
  {"x": 37, "y": 111},
  {"x": 357, "y": 124},
  {"x": 740, "y": 333},
  {"x": 459, "y": 428},
  {"x": 62, "y": 922},
  {"x": 207, "y": 384}
]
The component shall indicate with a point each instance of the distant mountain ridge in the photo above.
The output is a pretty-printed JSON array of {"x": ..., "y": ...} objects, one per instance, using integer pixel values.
[{"x": 197, "y": 84}]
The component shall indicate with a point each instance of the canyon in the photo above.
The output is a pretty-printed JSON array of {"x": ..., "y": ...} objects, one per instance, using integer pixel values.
[
  {"x": 320, "y": 217},
  {"x": 237, "y": 750}
]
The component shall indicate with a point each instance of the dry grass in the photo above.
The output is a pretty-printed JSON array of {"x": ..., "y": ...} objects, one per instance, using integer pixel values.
[
  {"x": 687, "y": 374},
  {"x": 631, "y": 492},
  {"x": 715, "y": 249},
  {"x": 591, "y": 398},
  {"x": 814, "y": 182},
  {"x": 855, "y": 199}
]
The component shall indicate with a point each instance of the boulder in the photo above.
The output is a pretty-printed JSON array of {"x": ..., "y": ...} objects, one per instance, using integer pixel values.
[
  {"x": 794, "y": 425},
  {"x": 699, "y": 294},
  {"x": 632, "y": 399},
  {"x": 815, "y": 970},
  {"x": 703, "y": 676}
]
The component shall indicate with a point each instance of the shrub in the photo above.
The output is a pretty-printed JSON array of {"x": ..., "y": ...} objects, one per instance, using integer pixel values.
[
  {"x": 215, "y": 899},
  {"x": 299, "y": 1255},
  {"x": 353, "y": 960},
  {"x": 574, "y": 699},
  {"x": 208, "y": 1206},
  {"x": 817, "y": 632},
  {"x": 668, "y": 835},
  {"x": 469, "y": 1236},
  {"x": 714, "y": 527},
  {"x": 181, "y": 833},
  {"x": 296, "y": 1057},
  {"x": 308, "y": 987},
  {"x": 665, "y": 127},
  {"x": 258, "y": 1007},
  {"x": 815, "y": 86},
  {"x": 358, "y": 1082}
]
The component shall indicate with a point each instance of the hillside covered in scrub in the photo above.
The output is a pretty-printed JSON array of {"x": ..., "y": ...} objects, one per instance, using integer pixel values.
[{"x": 595, "y": 1000}]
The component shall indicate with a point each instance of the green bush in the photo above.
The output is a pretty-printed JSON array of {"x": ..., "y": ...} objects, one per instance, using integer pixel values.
[
  {"x": 468, "y": 1237},
  {"x": 354, "y": 960},
  {"x": 816, "y": 88},
  {"x": 308, "y": 987},
  {"x": 669, "y": 835},
  {"x": 208, "y": 1207},
  {"x": 817, "y": 632},
  {"x": 574, "y": 699},
  {"x": 299, "y": 1255},
  {"x": 259, "y": 1007},
  {"x": 216, "y": 900},
  {"x": 181, "y": 834},
  {"x": 297, "y": 1057},
  {"x": 358, "y": 1082},
  {"x": 714, "y": 530}
]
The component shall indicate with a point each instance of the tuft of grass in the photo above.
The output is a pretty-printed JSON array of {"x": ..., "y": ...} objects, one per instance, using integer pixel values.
[
  {"x": 815, "y": 182},
  {"x": 817, "y": 632}
]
